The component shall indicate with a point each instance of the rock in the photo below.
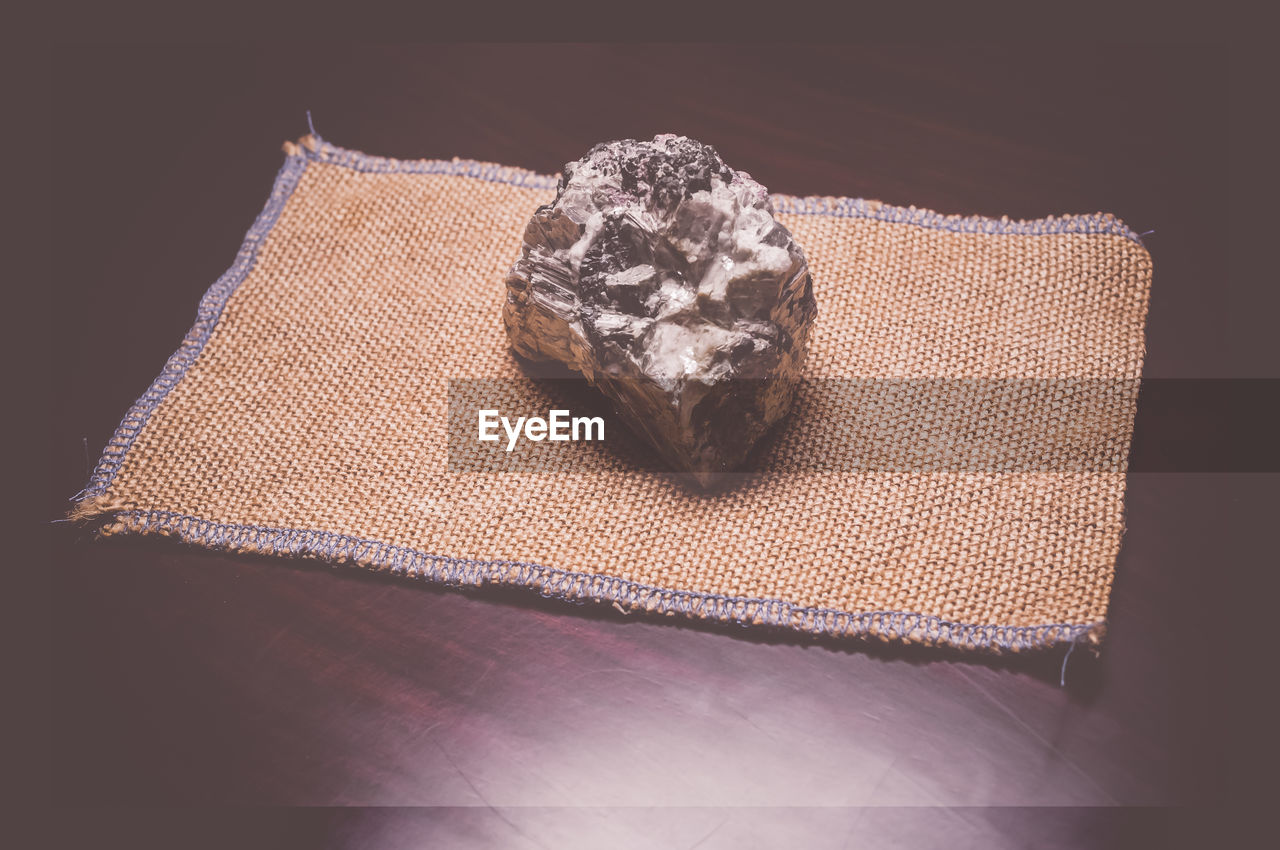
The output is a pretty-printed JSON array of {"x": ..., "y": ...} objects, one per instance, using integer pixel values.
[{"x": 660, "y": 274}]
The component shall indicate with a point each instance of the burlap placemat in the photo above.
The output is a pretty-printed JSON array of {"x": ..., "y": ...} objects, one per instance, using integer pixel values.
[{"x": 306, "y": 414}]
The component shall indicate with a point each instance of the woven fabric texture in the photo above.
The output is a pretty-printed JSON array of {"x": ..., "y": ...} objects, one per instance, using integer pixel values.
[{"x": 305, "y": 414}]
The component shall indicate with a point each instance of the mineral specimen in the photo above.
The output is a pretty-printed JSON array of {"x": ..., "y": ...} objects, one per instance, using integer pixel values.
[{"x": 660, "y": 274}]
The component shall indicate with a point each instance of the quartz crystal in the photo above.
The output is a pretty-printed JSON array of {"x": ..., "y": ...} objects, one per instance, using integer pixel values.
[{"x": 661, "y": 275}]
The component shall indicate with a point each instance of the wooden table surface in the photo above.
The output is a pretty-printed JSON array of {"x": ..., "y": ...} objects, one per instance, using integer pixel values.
[{"x": 186, "y": 678}]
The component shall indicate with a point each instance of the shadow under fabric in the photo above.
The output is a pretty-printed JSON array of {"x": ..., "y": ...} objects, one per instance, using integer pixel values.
[{"x": 305, "y": 414}]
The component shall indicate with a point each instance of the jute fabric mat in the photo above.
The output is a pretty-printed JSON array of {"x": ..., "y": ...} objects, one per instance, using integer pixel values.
[{"x": 305, "y": 415}]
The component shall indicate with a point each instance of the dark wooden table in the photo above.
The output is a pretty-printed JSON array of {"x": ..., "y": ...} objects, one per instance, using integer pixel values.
[{"x": 185, "y": 678}]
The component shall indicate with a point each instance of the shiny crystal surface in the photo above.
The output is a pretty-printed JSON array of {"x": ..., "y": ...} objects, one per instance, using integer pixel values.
[{"x": 661, "y": 275}]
